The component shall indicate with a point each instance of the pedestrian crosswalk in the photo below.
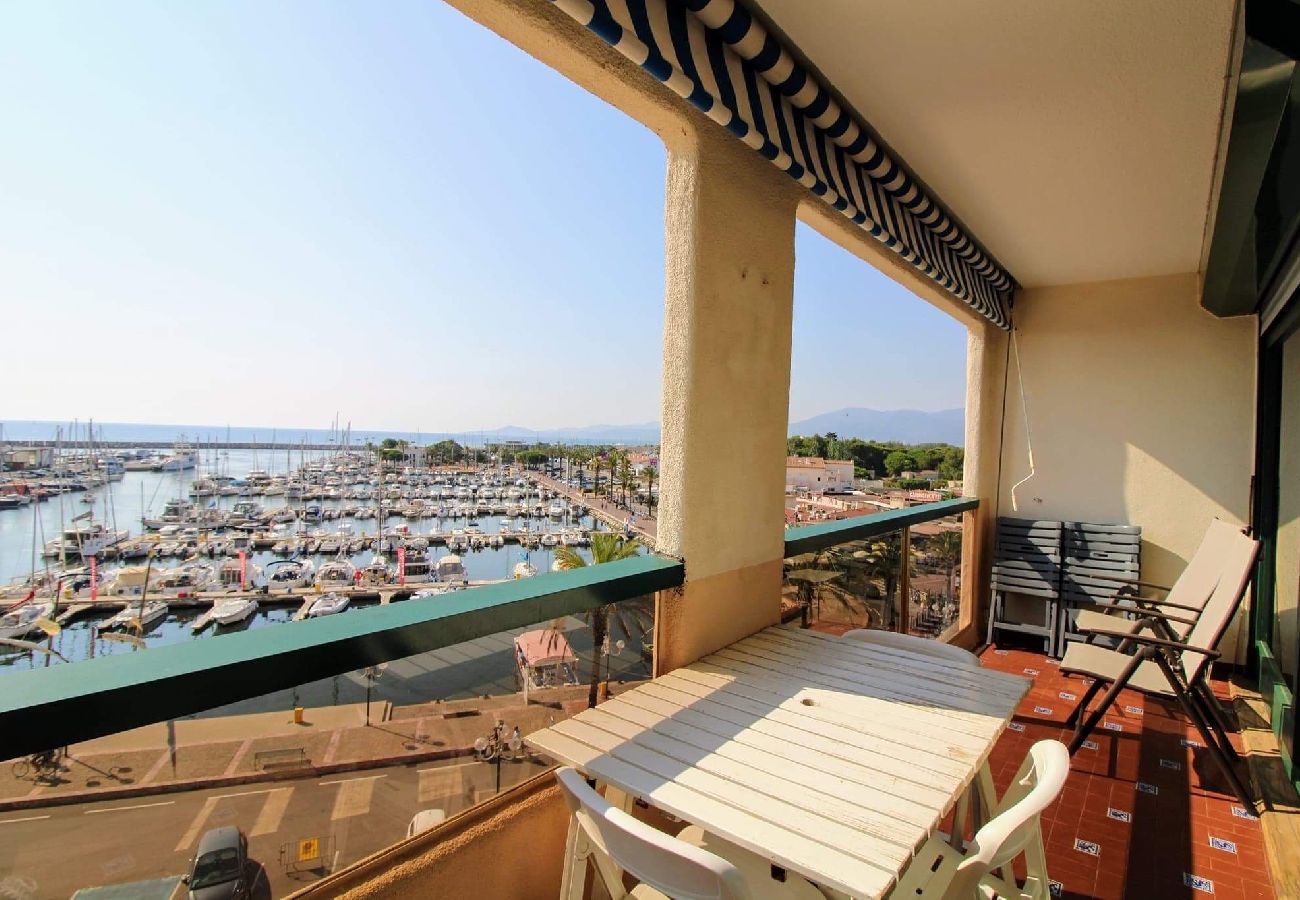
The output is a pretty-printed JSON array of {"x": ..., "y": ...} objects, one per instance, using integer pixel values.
[
  {"x": 291, "y": 808},
  {"x": 268, "y": 820},
  {"x": 354, "y": 797}
]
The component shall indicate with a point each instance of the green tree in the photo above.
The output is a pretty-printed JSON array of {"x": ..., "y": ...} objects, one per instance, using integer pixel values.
[
  {"x": 899, "y": 461},
  {"x": 444, "y": 453},
  {"x": 605, "y": 547}
]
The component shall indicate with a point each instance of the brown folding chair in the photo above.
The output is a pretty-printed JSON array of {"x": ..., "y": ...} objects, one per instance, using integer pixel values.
[
  {"x": 1182, "y": 603},
  {"x": 1172, "y": 651}
]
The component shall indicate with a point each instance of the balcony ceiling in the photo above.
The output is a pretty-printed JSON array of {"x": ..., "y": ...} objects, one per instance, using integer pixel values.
[{"x": 1078, "y": 141}]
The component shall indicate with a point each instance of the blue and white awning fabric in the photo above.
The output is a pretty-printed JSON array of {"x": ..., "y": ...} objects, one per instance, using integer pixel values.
[{"x": 714, "y": 54}]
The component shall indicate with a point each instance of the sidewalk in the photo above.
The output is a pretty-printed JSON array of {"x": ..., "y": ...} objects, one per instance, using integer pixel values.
[
  {"x": 221, "y": 751},
  {"x": 612, "y": 514}
]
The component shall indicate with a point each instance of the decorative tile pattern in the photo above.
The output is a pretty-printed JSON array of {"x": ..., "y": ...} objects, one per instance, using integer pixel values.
[
  {"x": 1226, "y": 846},
  {"x": 1145, "y": 813}
]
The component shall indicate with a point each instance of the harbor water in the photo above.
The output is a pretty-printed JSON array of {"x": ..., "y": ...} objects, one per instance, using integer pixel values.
[{"x": 474, "y": 669}]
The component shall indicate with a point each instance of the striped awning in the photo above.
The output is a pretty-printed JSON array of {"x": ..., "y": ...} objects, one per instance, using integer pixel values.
[{"x": 715, "y": 55}]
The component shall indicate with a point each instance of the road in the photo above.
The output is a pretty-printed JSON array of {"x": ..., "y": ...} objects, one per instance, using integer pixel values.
[{"x": 52, "y": 852}]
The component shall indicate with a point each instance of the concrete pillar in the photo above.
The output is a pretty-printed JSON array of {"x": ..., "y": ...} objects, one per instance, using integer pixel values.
[
  {"x": 730, "y": 220},
  {"x": 986, "y": 373}
]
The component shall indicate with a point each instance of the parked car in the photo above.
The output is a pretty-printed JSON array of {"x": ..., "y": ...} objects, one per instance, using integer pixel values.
[
  {"x": 217, "y": 871},
  {"x": 424, "y": 820}
]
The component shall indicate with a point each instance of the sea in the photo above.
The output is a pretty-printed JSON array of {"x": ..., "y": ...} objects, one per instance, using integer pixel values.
[{"x": 476, "y": 668}]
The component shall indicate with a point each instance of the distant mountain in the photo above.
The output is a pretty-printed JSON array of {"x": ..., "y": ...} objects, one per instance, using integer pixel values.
[
  {"x": 908, "y": 425},
  {"x": 911, "y": 426},
  {"x": 642, "y": 433}
]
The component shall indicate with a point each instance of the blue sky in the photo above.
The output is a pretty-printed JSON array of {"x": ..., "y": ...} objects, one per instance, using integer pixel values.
[{"x": 258, "y": 214}]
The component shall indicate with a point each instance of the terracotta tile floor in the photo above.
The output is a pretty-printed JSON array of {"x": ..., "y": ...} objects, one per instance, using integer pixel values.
[{"x": 1146, "y": 812}]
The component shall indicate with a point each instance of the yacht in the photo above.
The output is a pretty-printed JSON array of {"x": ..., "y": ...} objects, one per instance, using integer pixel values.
[
  {"x": 416, "y": 568},
  {"x": 328, "y": 605},
  {"x": 20, "y": 622},
  {"x": 336, "y": 572},
  {"x": 187, "y": 579},
  {"x": 151, "y": 612},
  {"x": 176, "y": 512},
  {"x": 556, "y": 509},
  {"x": 14, "y": 501},
  {"x": 450, "y": 569},
  {"x": 376, "y": 571},
  {"x": 523, "y": 569},
  {"x": 178, "y": 461},
  {"x": 293, "y": 573},
  {"x": 549, "y": 540},
  {"x": 231, "y": 574},
  {"x": 85, "y": 540},
  {"x": 234, "y": 611}
]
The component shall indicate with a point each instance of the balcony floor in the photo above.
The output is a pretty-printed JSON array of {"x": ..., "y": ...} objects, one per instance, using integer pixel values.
[{"x": 1143, "y": 815}]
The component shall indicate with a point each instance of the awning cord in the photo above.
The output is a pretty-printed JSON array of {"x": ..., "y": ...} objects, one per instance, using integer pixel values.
[{"x": 1024, "y": 409}]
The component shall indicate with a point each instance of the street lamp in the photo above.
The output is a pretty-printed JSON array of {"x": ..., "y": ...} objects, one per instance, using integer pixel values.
[
  {"x": 372, "y": 674},
  {"x": 493, "y": 747}
]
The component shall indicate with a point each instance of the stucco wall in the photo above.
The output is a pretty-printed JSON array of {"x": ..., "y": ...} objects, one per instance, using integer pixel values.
[
  {"x": 1141, "y": 409},
  {"x": 509, "y": 846}
]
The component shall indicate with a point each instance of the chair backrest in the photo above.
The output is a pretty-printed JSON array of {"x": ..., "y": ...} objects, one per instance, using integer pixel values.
[
  {"x": 1098, "y": 560},
  {"x": 661, "y": 861},
  {"x": 1005, "y": 836},
  {"x": 1027, "y": 559},
  {"x": 913, "y": 644},
  {"x": 1204, "y": 571},
  {"x": 1234, "y": 555}
]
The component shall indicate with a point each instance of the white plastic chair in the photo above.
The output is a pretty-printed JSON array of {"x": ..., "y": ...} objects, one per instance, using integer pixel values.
[
  {"x": 913, "y": 644},
  {"x": 616, "y": 842},
  {"x": 939, "y": 871}
]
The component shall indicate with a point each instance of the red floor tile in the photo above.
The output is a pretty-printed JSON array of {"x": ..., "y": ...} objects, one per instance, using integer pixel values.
[{"x": 1148, "y": 799}]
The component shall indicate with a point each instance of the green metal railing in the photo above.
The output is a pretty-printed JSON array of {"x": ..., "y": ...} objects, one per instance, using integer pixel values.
[
  {"x": 811, "y": 538},
  {"x": 822, "y": 536},
  {"x": 60, "y": 705}
]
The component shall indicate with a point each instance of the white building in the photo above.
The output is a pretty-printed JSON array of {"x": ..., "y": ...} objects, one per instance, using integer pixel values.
[{"x": 810, "y": 473}]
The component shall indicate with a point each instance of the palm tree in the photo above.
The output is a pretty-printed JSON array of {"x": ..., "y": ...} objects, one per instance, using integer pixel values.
[
  {"x": 648, "y": 474},
  {"x": 946, "y": 547},
  {"x": 625, "y": 476},
  {"x": 884, "y": 561},
  {"x": 596, "y": 461},
  {"x": 605, "y": 547}
]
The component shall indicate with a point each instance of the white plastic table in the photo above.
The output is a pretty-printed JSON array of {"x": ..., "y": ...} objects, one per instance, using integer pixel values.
[{"x": 831, "y": 758}]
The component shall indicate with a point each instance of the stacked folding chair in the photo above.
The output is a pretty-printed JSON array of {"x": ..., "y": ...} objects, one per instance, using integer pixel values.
[
  {"x": 1027, "y": 562},
  {"x": 1100, "y": 563}
]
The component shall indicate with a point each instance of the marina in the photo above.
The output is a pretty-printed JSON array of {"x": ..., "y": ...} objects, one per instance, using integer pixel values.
[{"x": 126, "y": 550}]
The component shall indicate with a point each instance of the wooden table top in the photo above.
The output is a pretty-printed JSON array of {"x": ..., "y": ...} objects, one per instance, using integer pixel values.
[{"x": 830, "y": 757}]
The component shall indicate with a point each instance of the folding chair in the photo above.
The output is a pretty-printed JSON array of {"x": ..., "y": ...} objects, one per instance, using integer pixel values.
[
  {"x": 1098, "y": 563},
  {"x": 939, "y": 871},
  {"x": 1027, "y": 561},
  {"x": 913, "y": 644},
  {"x": 1124, "y": 610},
  {"x": 1172, "y": 654}
]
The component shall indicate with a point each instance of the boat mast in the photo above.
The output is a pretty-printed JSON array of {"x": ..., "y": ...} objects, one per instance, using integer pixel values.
[{"x": 58, "y": 452}]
